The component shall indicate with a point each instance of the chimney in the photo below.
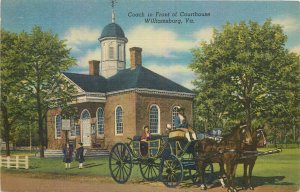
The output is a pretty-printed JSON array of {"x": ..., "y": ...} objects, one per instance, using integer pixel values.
[
  {"x": 135, "y": 57},
  {"x": 94, "y": 67}
]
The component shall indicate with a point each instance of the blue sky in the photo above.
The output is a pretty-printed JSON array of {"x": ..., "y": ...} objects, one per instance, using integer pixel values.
[{"x": 166, "y": 47}]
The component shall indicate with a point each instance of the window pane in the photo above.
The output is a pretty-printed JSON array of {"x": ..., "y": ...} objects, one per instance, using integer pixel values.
[
  {"x": 153, "y": 119},
  {"x": 85, "y": 115},
  {"x": 73, "y": 128},
  {"x": 100, "y": 121},
  {"x": 174, "y": 114},
  {"x": 77, "y": 130},
  {"x": 58, "y": 125},
  {"x": 119, "y": 120}
]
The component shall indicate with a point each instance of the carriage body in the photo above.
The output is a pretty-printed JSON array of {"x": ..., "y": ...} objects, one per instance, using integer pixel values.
[{"x": 166, "y": 159}]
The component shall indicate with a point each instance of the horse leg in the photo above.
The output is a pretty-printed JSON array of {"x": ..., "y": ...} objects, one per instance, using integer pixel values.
[
  {"x": 222, "y": 172},
  {"x": 229, "y": 176},
  {"x": 251, "y": 166},
  {"x": 200, "y": 168},
  {"x": 245, "y": 179},
  {"x": 234, "y": 166}
]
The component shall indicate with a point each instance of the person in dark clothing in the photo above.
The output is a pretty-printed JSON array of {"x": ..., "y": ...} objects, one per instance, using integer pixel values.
[
  {"x": 144, "y": 138},
  {"x": 68, "y": 155},
  {"x": 80, "y": 156}
]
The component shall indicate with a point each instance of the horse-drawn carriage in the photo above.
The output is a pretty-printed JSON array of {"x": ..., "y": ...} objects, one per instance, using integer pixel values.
[{"x": 168, "y": 157}]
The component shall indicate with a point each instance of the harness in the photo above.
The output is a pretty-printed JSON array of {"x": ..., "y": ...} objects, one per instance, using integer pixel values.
[{"x": 262, "y": 132}]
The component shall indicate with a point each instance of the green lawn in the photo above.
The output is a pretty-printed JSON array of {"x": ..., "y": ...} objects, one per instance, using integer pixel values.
[
  {"x": 277, "y": 169},
  {"x": 282, "y": 169}
]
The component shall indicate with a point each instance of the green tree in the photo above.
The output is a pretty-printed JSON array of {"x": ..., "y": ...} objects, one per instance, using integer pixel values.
[
  {"x": 241, "y": 73},
  {"x": 12, "y": 72},
  {"x": 43, "y": 57}
]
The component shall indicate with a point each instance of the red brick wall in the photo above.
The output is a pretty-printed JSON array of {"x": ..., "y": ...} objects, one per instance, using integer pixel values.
[
  {"x": 57, "y": 143},
  {"x": 136, "y": 107},
  {"x": 53, "y": 143},
  {"x": 127, "y": 102},
  {"x": 165, "y": 104}
]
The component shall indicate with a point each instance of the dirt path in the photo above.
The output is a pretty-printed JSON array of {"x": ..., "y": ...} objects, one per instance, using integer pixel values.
[{"x": 23, "y": 183}]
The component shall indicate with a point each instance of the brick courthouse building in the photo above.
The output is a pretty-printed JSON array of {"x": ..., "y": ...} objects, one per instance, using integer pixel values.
[{"x": 115, "y": 102}]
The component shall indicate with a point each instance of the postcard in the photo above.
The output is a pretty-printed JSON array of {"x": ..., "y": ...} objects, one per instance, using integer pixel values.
[{"x": 129, "y": 95}]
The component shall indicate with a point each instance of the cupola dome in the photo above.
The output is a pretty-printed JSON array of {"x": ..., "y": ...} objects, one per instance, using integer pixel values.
[{"x": 112, "y": 30}]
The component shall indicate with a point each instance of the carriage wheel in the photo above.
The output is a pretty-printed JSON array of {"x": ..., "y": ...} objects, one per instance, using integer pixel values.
[
  {"x": 150, "y": 169},
  {"x": 120, "y": 163},
  {"x": 171, "y": 171},
  {"x": 208, "y": 172}
]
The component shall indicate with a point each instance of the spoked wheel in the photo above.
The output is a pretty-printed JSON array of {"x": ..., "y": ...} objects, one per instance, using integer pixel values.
[
  {"x": 150, "y": 169},
  {"x": 195, "y": 176},
  {"x": 171, "y": 171},
  {"x": 208, "y": 174},
  {"x": 120, "y": 163}
]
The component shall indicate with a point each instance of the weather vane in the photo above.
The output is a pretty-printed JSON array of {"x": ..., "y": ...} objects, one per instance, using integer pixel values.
[{"x": 113, "y": 3}]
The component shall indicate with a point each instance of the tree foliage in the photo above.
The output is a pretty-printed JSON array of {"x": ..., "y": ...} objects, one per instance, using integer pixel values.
[
  {"x": 43, "y": 57},
  {"x": 11, "y": 75},
  {"x": 245, "y": 73}
]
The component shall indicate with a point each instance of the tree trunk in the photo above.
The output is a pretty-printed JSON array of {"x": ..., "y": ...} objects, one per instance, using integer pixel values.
[
  {"x": 40, "y": 125},
  {"x": 6, "y": 126},
  {"x": 248, "y": 113},
  {"x": 41, "y": 137}
]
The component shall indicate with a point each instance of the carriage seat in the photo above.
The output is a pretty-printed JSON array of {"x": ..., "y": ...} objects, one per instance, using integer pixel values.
[
  {"x": 177, "y": 134},
  {"x": 136, "y": 138}
]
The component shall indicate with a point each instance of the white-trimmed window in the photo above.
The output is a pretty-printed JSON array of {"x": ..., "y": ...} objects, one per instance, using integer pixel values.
[
  {"x": 100, "y": 121},
  {"x": 58, "y": 126},
  {"x": 119, "y": 120},
  {"x": 174, "y": 115},
  {"x": 73, "y": 127},
  {"x": 154, "y": 119}
]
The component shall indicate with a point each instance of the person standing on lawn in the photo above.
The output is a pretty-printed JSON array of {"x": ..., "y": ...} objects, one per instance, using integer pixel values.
[
  {"x": 68, "y": 155},
  {"x": 80, "y": 156}
]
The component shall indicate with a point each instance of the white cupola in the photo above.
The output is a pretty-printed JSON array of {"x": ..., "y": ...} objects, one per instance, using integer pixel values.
[{"x": 113, "y": 46}]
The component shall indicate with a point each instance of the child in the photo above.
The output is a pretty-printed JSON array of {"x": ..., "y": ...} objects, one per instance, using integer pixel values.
[
  {"x": 79, "y": 155},
  {"x": 68, "y": 155}
]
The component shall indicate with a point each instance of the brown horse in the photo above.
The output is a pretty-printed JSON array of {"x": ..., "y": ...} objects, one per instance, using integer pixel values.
[
  {"x": 227, "y": 152},
  {"x": 258, "y": 140}
]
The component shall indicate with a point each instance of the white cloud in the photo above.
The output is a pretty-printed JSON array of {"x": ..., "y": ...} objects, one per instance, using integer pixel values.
[
  {"x": 90, "y": 55},
  {"x": 289, "y": 24},
  {"x": 178, "y": 73},
  {"x": 77, "y": 37},
  {"x": 296, "y": 49},
  {"x": 157, "y": 41},
  {"x": 204, "y": 34}
]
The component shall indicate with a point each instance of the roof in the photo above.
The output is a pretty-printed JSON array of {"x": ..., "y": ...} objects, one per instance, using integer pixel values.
[
  {"x": 140, "y": 77},
  {"x": 112, "y": 30},
  {"x": 89, "y": 83}
]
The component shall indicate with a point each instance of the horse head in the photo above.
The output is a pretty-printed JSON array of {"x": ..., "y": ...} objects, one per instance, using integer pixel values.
[
  {"x": 245, "y": 135},
  {"x": 260, "y": 137}
]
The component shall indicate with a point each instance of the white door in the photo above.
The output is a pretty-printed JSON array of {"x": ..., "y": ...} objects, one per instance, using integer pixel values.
[{"x": 86, "y": 128}]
